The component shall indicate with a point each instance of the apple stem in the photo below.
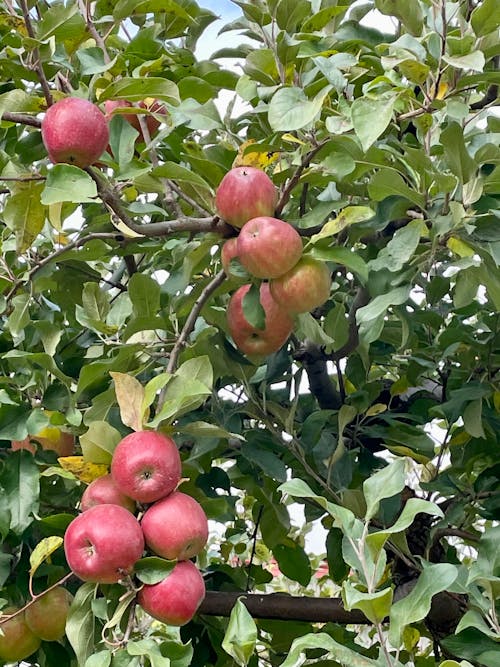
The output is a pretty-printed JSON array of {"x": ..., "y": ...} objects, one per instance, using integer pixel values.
[{"x": 34, "y": 597}]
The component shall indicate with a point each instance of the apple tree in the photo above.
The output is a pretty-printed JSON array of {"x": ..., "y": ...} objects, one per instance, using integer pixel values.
[{"x": 371, "y": 421}]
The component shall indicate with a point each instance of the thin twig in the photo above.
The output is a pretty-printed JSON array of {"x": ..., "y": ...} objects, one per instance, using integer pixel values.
[
  {"x": 34, "y": 598},
  {"x": 254, "y": 546},
  {"x": 287, "y": 192},
  {"x": 85, "y": 12},
  {"x": 36, "y": 53}
]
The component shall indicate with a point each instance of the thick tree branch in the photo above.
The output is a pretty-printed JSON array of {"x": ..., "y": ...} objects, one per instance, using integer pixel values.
[
  {"x": 282, "y": 607},
  {"x": 313, "y": 360},
  {"x": 361, "y": 299},
  {"x": 21, "y": 118}
]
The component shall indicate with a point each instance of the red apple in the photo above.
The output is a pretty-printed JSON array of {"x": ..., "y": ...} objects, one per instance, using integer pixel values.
[
  {"x": 102, "y": 491},
  {"x": 152, "y": 123},
  {"x": 229, "y": 252},
  {"x": 268, "y": 247},
  {"x": 23, "y": 444},
  {"x": 250, "y": 340},
  {"x": 245, "y": 193},
  {"x": 175, "y": 527},
  {"x": 17, "y": 641},
  {"x": 305, "y": 287},
  {"x": 75, "y": 131},
  {"x": 146, "y": 466},
  {"x": 46, "y": 617},
  {"x": 111, "y": 105},
  {"x": 103, "y": 544},
  {"x": 174, "y": 600}
]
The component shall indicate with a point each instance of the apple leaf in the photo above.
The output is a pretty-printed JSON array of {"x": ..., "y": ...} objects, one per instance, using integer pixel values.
[
  {"x": 85, "y": 472},
  {"x": 80, "y": 622},
  {"x": 137, "y": 90},
  {"x": 43, "y": 550},
  {"x": 20, "y": 489},
  {"x": 24, "y": 213},
  {"x": 130, "y": 396},
  {"x": 153, "y": 569},
  {"x": 241, "y": 634},
  {"x": 99, "y": 659},
  {"x": 252, "y": 308},
  {"x": 67, "y": 183},
  {"x": 99, "y": 442}
]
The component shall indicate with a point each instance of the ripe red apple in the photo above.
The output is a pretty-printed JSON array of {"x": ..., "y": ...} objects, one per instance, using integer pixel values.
[
  {"x": 102, "y": 491},
  {"x": 146, "y": 466},
  {"x": 245, "y": 193},
  {"x": 305, "y": 287},
  {"x": 17, "y": 641},
  {"x": 152, "y": 123},
  {"x": 229, "y": 252},
  {"x": 250, "y": 340},
  {"x": 75, "y": 131},
  {"x": 175, "y": 527},
  {"x": 103, "y": 544},
  {"x": 268, "y": 247},
  {"x": 46, "y": 617},
  {"x": 174, "y": 600}
]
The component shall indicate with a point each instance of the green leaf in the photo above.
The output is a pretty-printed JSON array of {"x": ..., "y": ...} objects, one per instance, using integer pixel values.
[
  {"x": 486, "y": 17},
  {"x": 136, "y": 90},
  {"x": 293, "y": 562},
  {"x": 474, "y": 60},
  {"x": 370, "y": 117},
  {"x": 343, "y": 256},
  {"x": 388, "y": 183},
  {"x": 290, "y": 109},
  {"x": 126, "y": 8},
  {"x": 416, "y": 605},
  {"x": 99, "y": 659},
  {"x": 150, "y": 649},
  {"x": 98, "y": 442},
  {"x": 144, "y": 292},
  {"x": 385, "y": 483},
  {"x": 375, "y": 606},
  {"x": 153, "y": 569},
  {"x": 408, "y": 12},
  {"x": 24, "y": 214},
  {"x": 80, "y": 623},
  {"x": 268, "y": 461},
  {"x": 20, "y": 316},
  {"x": 337, "y": 566},
  {"x": 37, "y": 359},
  {"x": 342, "y": 654},
  {"x": 399, "y": 249},
  {"x": 380, "y": 304},
  {"x": 473, "y": 418},
  {"x": 457, "y": 156},
  {"x": 122, "y": 138},
  {"x": 67, "y": 183},
  {"x": 92, "y": 61},
  {"x": 20, "y": 484},
  {"x": 241, "y": 635},
  {"x": 203, "y": 429},
  {"x": 252, "y": 308}
]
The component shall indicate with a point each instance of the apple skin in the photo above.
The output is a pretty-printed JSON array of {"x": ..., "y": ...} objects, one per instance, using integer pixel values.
[
  {"x": 245, "y": 193},
  {"x": 268, "y": 247},
  {"x": 18, "y": 641},
  {"x": 46, "y": 617},
  {"x": 146, "y": 466},
  {"x": 102, "y": 491},
  {"x": 103, "y": 544},
  {"x": 175, "y": 527},
  {"x": 174, "y": 600},
  {"x": 75, "y": 131},
  {"x": 258, "y": 342},
  {"x": 152, "y": 123},
  {"x": 305, "y": 287},
  {"x": 229, "y": 251}
]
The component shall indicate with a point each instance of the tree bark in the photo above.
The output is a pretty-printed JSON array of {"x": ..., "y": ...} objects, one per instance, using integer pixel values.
[{"x": 281, "y": 606}]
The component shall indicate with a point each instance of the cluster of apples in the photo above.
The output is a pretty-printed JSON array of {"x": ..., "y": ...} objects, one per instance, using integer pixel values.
[
  {"x": 75, "y": 131},
  {"x": 105, "y": 541},
  {"x": 44, "y": 619},
  {"x": 270, "y": 250}
]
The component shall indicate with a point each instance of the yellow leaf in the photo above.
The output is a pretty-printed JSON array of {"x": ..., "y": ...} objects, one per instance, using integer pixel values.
[
  {"x": 411, "y": 637},
  {"x": 294, "y": 140},
  {"x": 130, "y": 396},
  {"x": 459, "y": 247},
  {"x": 406, "y": 451},
  {"x": 85, "y": 472},
  {"x": 442, "y": 90},
  {"x": 44, "y": 550},
  {"x": 261, "y": 157},
  {"x": 376, "y": 409},
  {"x": 400, "y": 386},
  {"x": 496, "y": 400}
]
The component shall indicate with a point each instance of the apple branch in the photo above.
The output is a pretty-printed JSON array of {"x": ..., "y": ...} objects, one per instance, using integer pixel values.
[
  {"x": 21, "y": 119},
  {"x": 36, "y": 54},
  {"x": 34, "y": 598},
  {"x": 293, "y": 182},
  {"x": 188, "y": 327},
  {"x": 84, "y": 7},
  {"x": 361, "y": 299}
]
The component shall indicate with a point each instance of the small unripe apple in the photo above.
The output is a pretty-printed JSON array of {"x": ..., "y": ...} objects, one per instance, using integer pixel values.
[
  {"x": 17, "y": 641},
  {"x": 250, "y": 340},
  {"x": 103, "y": 544},
  {"x": 46, "y": 617},
  {"x": 174, "y": 600},
  {"x": 268, "y": 247},
  {"x": 146, "y": 466},
  {"x": 175, "y": 527},
  {"x": 75, "y": 131},
  {"x": 305, "y": 287},
  {"x": 102, "y": 491},
  {"x": 245, "y": 193}
]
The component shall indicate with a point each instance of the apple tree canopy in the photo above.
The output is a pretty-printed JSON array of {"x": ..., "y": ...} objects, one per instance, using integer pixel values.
[{"x": 352, "y": 477}]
